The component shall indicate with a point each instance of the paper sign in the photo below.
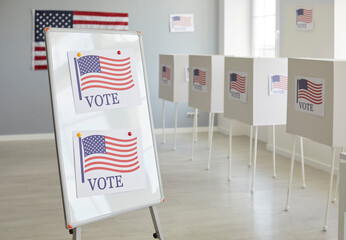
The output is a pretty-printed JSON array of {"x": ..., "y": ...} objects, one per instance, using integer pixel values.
[
  {"x": 181, "y": 23},
  {"x": 310, "y": 95},
  {"x": 103, "y": 80},
  {"x": 237, "y": 86},
  {"x": 166, "y": 73},
  {"x": 199, "y": 79},
  {"x": 277, "y": 85},
  {"x": 304, "y": 19},
  {"x": 109, "y": 161}
]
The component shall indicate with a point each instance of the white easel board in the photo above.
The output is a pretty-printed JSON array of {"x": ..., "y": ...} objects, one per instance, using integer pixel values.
[
  {"x": 255, "y": 90},
  {"x": 316, "y": 99},
  {"x": 173, "y": 78},
  {"x": 126, "y": 127},
  {"x": 206, "y": 82}
]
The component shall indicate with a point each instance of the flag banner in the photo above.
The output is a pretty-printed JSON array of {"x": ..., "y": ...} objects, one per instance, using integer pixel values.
[
  {"x": 166, "y": 73},
  {"x": 70, "y": 19},
  {"x": 181, "y": 23},
  {"x": 304, "y": 19},
  {"x": 108, "y": 161},
  {"x": 277, "y": 85},
  {"x": 199, "y": 79},
  {"x": 103, "y": 80},
  {"x": 310, "y": 95},
  {"x": 237, "y": 86}
]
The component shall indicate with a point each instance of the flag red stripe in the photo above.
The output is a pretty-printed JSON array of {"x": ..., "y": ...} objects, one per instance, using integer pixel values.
[
  {"x": 304, "y": 97},
  {"x": 120, "y": 140},
  {"x": 114, "y": 60},
  {"x": 114, "y": 65},
  {"x": 40, "y": 67},
  {"x": 110, "y": 169},
  {"x": 111, "y": 159},
  {"x": 314, "y": 98},
  {"x": 88, "y": 22},
  {"x": 121, "y": 145},
  {"x": 113, "y": 84},
  {"x": 111, "y": 164},
  {"x": 119, "y": 70},
  {"x": 100, "y": 14},
  {"x": 110, "y": 88},
  {"x": 121, "y": 150},
  {"x": 238, "y": 89},
  {"x": 109, "y": 78},
  {"x": 120, "y": 155},
  {"x": 114, "y": 79},
  {"x": 40, "y": 48},
  {"x": 38, "y": 58}
]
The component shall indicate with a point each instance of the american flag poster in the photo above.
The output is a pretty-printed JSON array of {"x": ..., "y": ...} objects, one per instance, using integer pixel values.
[
  {"x": 166, "y": 75},
  {"x": 199, "y": 79},
  {"x": 304, "y": 19},
  {"x": 310, "y": 95},
  {"x": 70, "y": 19},
  {"x": 277, "y": 85},
  {"x": 109, "y": 161},
  {"x": 104, "y": 80},
  {"x": 237, "y": 86},
  {"x": 181, "y": 23}
]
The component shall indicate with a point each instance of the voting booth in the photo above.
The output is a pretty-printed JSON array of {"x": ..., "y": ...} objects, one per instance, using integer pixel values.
[
  {"x": 108, "y": 163},
  {"x": 173, "y": 84},
  {"x": 206, "y": 90},
  {"x": 255, "y": 93},
  {"x": 315, "y": 107}
]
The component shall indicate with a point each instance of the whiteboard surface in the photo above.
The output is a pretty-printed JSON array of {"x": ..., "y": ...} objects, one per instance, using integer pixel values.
[{"x": 80, "y": 211}]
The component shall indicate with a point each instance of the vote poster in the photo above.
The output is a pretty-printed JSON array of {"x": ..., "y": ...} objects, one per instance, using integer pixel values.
[
  {"x": 103, "y": 80},
  {"x": 310, "y": 95},
  {"x": 199, "y": 79},
  {"x": 237, "y": 86},
  {"x": 109, "y": 161},
  {"x": 304, "y": 19}
]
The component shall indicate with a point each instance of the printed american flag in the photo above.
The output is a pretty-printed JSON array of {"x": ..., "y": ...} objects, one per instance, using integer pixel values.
[
  {"x": 166, "y": 73},
  {"x": 237, "y": 82},
  {"x": 104, "y": 153},
  {"x": 103, "y": 73},
  {"x": 200, "y": 77},
  {"x": 181, "y": 21},
  {"x": 279, "y": 82},
  {"x": 70, "y": 19},
  {"x": 309, "y": 91},
  {"x": 304, "y": 15}
]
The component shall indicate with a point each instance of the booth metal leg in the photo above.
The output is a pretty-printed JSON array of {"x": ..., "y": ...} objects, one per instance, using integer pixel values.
[
  {"x": 254, "y": 161},
  {"x": 250, "y": 150},
  {"x": 193, "y": 134},
  {"x": 341, "y": 227},
  {"x": 196, "y": 133},
  {"x": 291, "y": 174},
  {"x": 77, "y": 233},
  {"x": 163, "y": 121},
  {"x": 211, "y": 139},
  {"x": 325, "y": 227},
  {"x": 337, "y": 181},
  {"x": 302, "y": 160},
  {"x": 175, "y": 126},
  {"x": 156, "y": 221},
  {"x": 274, "y": 159},
  {"x": 209, "y": 128},
  {"x": 230, "y": 152}
]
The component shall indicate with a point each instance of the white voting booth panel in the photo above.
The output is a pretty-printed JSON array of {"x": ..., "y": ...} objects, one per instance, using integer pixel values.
[
  {"x": 326, "y": 126},
  {"x": 133, "y": 120},
  {"x": 315, "y": 108},
  {"x": 206, "y": 82},
  {"x": 173, "y": 84},
  {"x": 259, "y": 108}
]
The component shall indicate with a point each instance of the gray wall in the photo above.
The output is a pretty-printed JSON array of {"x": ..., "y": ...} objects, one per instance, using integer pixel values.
[{"x": 24, "y": 94}]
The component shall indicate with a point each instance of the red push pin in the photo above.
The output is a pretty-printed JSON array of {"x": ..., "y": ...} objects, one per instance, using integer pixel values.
[
  {"x": 119, "y": 52},
  {"x": 130, "y": 134},
  {"x": 69, "y": 226}
]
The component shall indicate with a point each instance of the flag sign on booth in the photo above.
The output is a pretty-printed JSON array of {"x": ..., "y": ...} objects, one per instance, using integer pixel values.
[
  {"x": 166, "y": 71},
  {"x": 237, "y": 86},
  {"x": 304, "y": 19},
  {"x": 277, "y": 85},
  {"x": 103, "y": 80},
  {"x": 199, "y": 79},
  {"x": 310, "y": 95},
  {"x": 109, "y": 161}
]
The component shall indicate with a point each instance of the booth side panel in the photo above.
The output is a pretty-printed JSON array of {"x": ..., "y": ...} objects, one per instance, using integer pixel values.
[
  {"x": 181, "y": 86},
  {"x": 217, "y": 90}
]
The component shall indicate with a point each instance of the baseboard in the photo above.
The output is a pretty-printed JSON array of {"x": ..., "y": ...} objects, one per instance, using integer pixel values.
[
  {"x": 27, "y": 137},
  {"x": 158, "y": 131},
  {"x": 307, "y": 161}
]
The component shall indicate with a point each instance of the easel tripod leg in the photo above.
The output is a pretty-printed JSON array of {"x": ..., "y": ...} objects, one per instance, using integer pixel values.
[
  {"x": 193, "y": 134},
  {"x": 330, "y": 190},
  {"x": 250, "y": 150},
  {"x": 254, "y": 162},
  {"x": 156, "y": 221},
  {"x": 337, "y": 181},
  {"x": 302, "y": 160},
  {"x": 211, "y": 139},
  {"x": 163, "y": 122},
  {"x": 230, "y": 152},
  {"x": 274, "y": 159},
  {"x": 175, "y": 126}
]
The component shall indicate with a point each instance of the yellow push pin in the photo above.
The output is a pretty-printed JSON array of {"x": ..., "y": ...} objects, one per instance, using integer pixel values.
[
  {"x": 79, "y": 135},
  {"x": 79, "y": 54}
]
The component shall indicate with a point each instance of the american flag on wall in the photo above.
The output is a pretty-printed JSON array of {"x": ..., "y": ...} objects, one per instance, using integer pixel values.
[
  {"x": 182, "y": 21},
  {"x": 70, "y": 19},
  {"x": 304, "y": 15}
]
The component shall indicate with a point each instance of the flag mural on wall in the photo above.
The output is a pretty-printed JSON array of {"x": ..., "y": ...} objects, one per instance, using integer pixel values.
[
  {"x": 109, "y": 161},
  {"x": 70, "y": 19},
  {"x": 277, "y": 84},
  {"x": 310, "y": 95},
  {"x": 181, "y": 23},
  {"x": 166, "y": 77},
  {"x": 104, "y": 80},
  {"x": 237, "y": 86}
]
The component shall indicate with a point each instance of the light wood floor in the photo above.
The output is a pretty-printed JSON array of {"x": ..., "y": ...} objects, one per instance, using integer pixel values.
[{"x": 199, "y": 204}]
